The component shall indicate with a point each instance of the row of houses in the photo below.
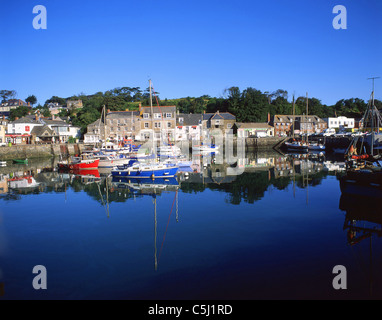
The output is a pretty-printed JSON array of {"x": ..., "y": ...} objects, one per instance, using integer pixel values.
[
  {"x": 162, "y": 122},
  {"x": 34, "y": 129},
  {"x": 54, "y": 107},
  {"x": 166, "y": 123}
]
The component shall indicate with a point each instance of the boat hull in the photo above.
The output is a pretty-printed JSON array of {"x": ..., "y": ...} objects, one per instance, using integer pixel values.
[
  {"x": 146, "y": 173},
  {"x": 88, "y": 165}
]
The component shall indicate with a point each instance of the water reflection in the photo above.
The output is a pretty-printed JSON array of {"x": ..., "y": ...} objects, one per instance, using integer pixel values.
[
  {"x": 363, "y": 222},
  {"x": 258, "y": 172}
]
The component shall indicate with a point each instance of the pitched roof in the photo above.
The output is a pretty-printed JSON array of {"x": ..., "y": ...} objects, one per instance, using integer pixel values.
[
  {"x": 302, "y": 118},
  {"x": 159, "y": 109},
  {"x": 189, "y": 119},
  {"x": 252, "y": 125},
  {"x": 26, "y": 120},
  {"x": 43, "y": 131},
  {"x": 121, "y": 114},
  {"x": 219, "y": 115}
]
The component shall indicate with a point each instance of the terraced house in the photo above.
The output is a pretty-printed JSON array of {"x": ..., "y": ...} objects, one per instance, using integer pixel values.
[
  {"x": 223, "y": 121},
  {"x": 121, "y": 125},
  {"x": 283, "y": 124},
  {"x": 157, "y": 121}
]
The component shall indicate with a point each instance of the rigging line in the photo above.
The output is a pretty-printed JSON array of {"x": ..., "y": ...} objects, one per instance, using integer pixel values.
[{"x": 168, "y": 221}]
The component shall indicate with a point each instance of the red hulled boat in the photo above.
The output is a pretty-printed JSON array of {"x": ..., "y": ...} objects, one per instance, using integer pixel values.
[{"x": 84, "y": 162}]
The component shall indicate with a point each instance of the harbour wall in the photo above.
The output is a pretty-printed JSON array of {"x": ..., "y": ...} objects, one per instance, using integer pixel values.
[{"x": 39, "y": 151}]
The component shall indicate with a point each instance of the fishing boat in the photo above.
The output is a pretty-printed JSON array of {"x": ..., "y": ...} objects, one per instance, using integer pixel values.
[
  {"x": 142, "y": 170},
  {"x": 84, "y": 162},
  {"x": 364, "y": 163},
  {"x": 316, "y": 146},
  {"x": 297, "y": 146},
  {"x": 20, "y": 161},
  {"x": 3, "y": 163}
]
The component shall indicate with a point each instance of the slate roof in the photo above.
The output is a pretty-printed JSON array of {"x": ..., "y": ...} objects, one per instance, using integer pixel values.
[
  {"x": 121, "y": 114},
  {"x": 252, "y": 125},
  {"x": 40, "y": 131},
  {"x": 289, "y": 118},
  {"x": 157, "y": 109},
  {"x": 189, "y": 119},
  {"x": 26, "y": 120},
  {"x": 219, "y": 115}
]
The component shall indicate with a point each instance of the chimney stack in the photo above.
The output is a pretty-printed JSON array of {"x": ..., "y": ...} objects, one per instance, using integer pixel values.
[
  {"x": 17, "y": 118},
  {"x": 108, "y": 110},
  {"x": 269, "y": 117}
]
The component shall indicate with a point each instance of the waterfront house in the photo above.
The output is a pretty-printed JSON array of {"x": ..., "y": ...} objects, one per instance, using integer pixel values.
[
  {"x": 95, "y": 132},
  {"x": 44, "y": 134},
  {"x": 63, "y": 130},
  {"x": 253, "y": 129},
  {"x": 2, "y": 134},
  {"x": 223, "y": 121},
  {"x": 188, "y": 127},
  {"x": 341, "y": 122},
  {"x": 158, "y": 121},
  {"x": 19, "y": 130},
  {"x": 283, "y": 124},
  {"x": 121, "y": 125}
]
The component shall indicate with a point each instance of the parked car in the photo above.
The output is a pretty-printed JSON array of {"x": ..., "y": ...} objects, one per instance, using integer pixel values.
[{"x": 328, "y": 132}]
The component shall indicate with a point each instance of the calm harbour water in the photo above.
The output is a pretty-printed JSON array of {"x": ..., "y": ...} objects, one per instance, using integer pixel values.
[{"x": 275, "y": 231}]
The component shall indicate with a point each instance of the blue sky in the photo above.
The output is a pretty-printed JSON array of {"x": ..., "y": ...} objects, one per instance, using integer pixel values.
[{"x": 191, "y": 48}]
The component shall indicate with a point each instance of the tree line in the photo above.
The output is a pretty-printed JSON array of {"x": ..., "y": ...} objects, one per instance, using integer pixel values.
[{"x": 248, "y": 105}]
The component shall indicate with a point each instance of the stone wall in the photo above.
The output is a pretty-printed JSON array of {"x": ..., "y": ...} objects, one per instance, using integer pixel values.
[{"x": 39, "y": 151}]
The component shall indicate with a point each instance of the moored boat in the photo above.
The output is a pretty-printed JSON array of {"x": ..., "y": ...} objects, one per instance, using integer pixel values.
[
  {"x": 21, "y": 161},
  {"x": 84, "y": 162},
  {"x": 141, "y": 170}
]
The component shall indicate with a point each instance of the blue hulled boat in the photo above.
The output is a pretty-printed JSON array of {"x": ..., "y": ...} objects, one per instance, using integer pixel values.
[{"x": 142, "y": 170}]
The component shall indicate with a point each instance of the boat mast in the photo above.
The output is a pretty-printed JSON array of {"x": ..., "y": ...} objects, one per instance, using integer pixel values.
[
  {"x": 372, "y": 116},
  {"x": 152, "y": 119},
  {"x": 293, "y": 118},
  {"x": 307, "y": 123}
]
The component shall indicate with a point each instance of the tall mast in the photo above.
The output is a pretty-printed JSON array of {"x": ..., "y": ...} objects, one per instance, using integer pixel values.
[
  {"x": 372, "y": 116},
  {"x": 293, "y": 118},
  {"x": 307, "y": 117},
  {"x": 104, "y": 123}
]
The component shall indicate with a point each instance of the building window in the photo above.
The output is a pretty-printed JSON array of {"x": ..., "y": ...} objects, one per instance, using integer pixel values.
[
  {"x": 146, "y": 124},
  {"x": 181, "y": 120},
  {"x": 145, "y": 116},
  {"x": 157, "y": 115},
  {"x": 168, "y": 115},
  {"x": 168, "y": 124}
]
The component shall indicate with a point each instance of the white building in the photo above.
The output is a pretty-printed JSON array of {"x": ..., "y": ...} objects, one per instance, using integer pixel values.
[
  {"x": 189, "y": 127},
  {"x": 22, "y": 126},
  {"x": 341, "y": 122}
]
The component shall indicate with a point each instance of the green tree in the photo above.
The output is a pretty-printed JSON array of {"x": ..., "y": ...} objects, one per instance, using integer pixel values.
[
  {"x": 19, "y": 112},
  {"x": 31, "y": 99},
  {"x": 7, "y": 94}
]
